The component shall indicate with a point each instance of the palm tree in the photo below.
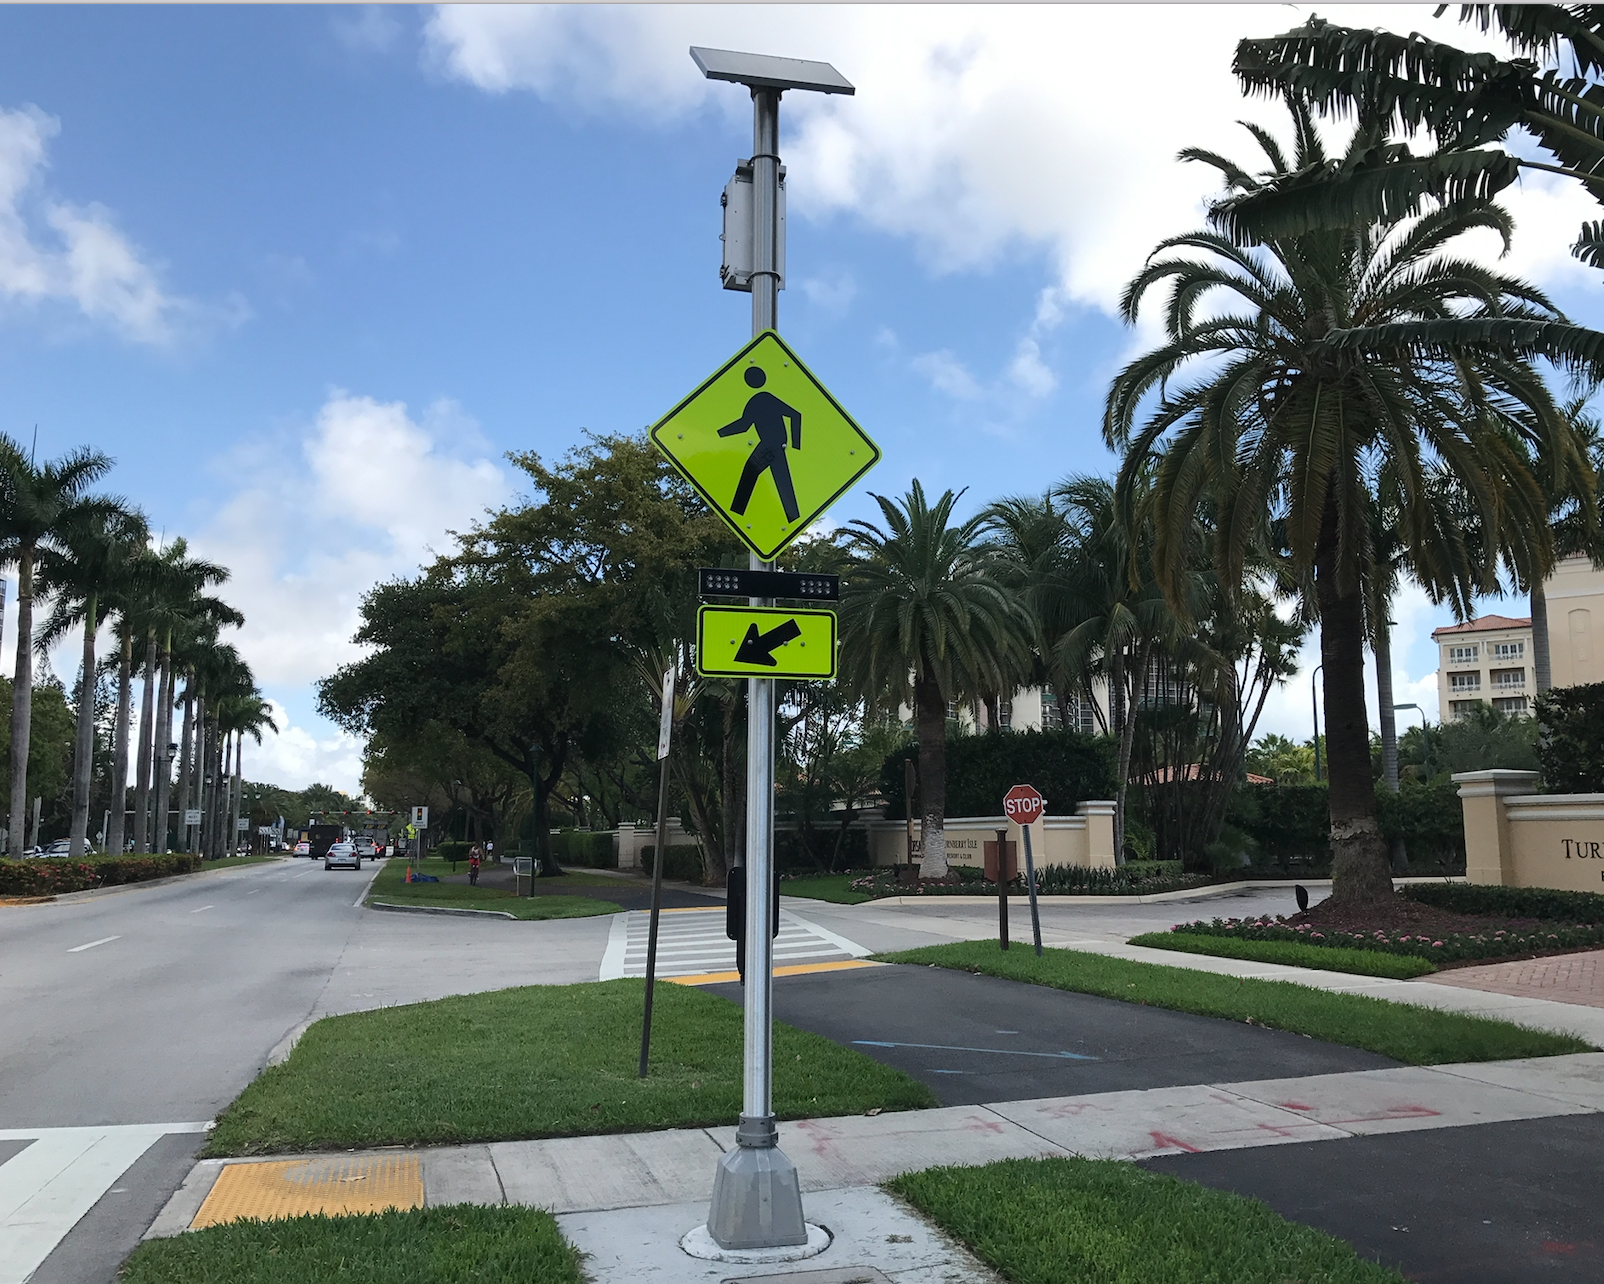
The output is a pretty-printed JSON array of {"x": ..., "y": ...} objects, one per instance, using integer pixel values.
[
  {"x": 93, "y": 560},
  {"x": 239, "y": 716},
  {"x": 925, "y": 618},
  {"x": 35, "y": 502},
  {"x": 1300, "y": 377}
]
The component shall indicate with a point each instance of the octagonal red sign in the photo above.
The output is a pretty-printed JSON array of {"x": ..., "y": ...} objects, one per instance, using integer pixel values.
[{"x": 1023, "y": 804}]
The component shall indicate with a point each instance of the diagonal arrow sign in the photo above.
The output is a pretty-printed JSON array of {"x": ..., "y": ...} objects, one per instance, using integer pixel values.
[{"x": 758, "y": 648}]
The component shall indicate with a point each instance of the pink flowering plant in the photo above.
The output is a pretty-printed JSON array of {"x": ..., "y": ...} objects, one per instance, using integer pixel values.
[
  {"x": 1051, "y": 880},
  {"x": 1448, "y": 947},
  {"x": 53, "y": 877}
]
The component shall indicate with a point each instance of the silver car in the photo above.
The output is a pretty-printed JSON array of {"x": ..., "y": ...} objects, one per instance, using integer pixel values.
[{"x": 344, "y": 855}]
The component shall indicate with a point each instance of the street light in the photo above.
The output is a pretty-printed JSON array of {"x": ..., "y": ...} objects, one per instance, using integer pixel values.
[
  {"x": 757, "y": 1198},
  {"x": 1425, "y": 736}
]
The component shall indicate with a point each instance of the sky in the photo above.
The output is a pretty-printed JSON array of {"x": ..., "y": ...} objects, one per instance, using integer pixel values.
[{"x": 309, "y": 273}]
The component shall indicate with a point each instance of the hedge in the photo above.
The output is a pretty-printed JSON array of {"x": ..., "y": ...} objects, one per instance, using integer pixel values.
[
  {"x": 681, "y": 864},
  {"x": 452, "y": 849},
  {"x": 1570, "y": 739},
  {"x": 587, "y": 850},
  {"x": 1293, "y": 822},
  {"x": 1067, "y": 767},
  {"x": 50, "y": 877},
  {"x": 1549, "y": 904}
]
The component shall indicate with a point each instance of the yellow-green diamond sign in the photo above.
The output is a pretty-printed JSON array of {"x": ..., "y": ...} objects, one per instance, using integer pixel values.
[
  {"x": 764, "y": 642},
  {"x": 765, "y": 444}
]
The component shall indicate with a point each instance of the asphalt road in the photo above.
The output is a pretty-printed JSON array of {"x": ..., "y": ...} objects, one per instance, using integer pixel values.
[
  {"x": 974, "y": 1039},
  {"x": 156, "y": 1005}
]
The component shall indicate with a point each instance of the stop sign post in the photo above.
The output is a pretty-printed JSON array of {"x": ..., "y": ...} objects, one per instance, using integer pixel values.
[{"x": 1024, "y": 806}]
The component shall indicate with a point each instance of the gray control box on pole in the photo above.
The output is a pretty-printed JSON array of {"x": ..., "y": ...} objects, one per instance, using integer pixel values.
[{"x": 757, "y": 1197}]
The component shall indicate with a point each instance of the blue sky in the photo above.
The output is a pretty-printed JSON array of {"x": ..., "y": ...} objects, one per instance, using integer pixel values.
[{"x": 308, "y": 272}]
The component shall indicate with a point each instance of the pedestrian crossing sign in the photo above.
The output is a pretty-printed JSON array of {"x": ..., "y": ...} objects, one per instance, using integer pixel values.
[{"x": 765, "y": 444}]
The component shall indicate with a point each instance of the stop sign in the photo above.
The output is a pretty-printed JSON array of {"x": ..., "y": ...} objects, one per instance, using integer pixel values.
[{"x": 1023, "y": 804}]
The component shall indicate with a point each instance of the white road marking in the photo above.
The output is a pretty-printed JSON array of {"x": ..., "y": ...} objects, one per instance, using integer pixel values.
[
  {"x": 202, "y": 909},
  {"x": 48, "y": 1186},
  {"x": 302, "y": 874},
  {"x": 104, "y": 940},
  {"x": 690, "y": 942},
  {"x": 368, "y": 886}
]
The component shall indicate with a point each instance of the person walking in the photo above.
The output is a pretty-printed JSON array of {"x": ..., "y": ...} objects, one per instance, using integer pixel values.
[{"x": 473, "y": 865}]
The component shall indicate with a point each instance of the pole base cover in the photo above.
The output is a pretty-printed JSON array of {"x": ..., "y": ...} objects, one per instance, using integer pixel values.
[{"x": 757, "y": 1200}]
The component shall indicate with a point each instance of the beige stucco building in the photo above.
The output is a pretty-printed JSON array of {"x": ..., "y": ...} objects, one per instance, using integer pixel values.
[{"x": 1489, "y": 660}]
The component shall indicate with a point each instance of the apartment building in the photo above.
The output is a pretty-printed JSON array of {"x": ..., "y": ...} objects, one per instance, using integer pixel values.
[{"x": 1489, "y": 660}]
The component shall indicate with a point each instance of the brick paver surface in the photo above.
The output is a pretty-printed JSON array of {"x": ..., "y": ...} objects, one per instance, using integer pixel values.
[{"x": 1564, "y": 978}]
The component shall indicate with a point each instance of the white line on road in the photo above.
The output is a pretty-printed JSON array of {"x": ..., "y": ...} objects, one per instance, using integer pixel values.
[
  {"x": 368, "y": 886},
  {"x": 46, "y": 1188},
  {"x": 302, "y": 874},
  {"x": 104, "y": 940},
  {"x": 202, "y": 909}
]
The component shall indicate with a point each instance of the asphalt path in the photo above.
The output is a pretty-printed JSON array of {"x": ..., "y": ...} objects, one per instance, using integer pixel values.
[
  {"x": 976, "y": 1039},
  {"x": 1505, "y": 1203}
]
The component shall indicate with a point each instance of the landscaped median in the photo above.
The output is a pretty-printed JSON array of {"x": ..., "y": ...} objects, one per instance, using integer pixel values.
[
  {"x": 537, "y": 1061},
  {"x": 1405, "y": 1032},
  {"x": 55, "y": 876},
  {"x": 390, "y": 887}
]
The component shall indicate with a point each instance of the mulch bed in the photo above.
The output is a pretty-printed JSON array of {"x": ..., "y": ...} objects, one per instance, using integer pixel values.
[{"x": 1403, "y": 915}]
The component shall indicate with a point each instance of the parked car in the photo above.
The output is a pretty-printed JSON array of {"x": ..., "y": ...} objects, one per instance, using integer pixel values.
[
  {"x": 342, "y": 854},
  {"x": 61, "y": 847},
  {"x": 303, "y": 849}
]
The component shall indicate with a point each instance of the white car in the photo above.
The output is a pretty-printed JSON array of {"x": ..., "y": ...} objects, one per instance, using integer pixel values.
[
  {"x": 367, "y": 849},
  {"x": 302, "y": 849},
  {"x": 344, "y": 855}
]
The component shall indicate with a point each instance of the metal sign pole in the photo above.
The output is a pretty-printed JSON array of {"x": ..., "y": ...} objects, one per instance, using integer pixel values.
[
  {"x": 757, "y": 1196},
  {"x": 1002, "y": 888},
  {"x": 1030, "y": 879},
  {"x": 665, "y": 732}
]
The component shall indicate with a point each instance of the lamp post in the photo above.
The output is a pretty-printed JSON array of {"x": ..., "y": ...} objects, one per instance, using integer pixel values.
[
  {"x": 757, "y": 1198},
  {"x": 1425, "y": 735}
]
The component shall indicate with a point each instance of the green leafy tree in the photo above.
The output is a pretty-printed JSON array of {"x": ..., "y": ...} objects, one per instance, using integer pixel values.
[
  {"x": 1299, "y": 378},
  {"x": 925, "y": 618}
]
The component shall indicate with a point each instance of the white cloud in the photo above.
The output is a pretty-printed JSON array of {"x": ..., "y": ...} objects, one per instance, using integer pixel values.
[
  {"x": 56, "y": 250},
  {"x": 975, "y": 129},
  {"x": 372, "y": 496},
  {"x": 948, "y": 374},
  {"x": 832, "y": 292},
  {"x": 1028, "y": 372}
]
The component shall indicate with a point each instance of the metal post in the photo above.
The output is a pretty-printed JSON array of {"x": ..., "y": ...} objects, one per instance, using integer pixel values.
[
  {"x": 757, "y": 1197},
  {"x": 665, "y": 731},
  {"x": 1002, "y": 887},
  {"x": 1030, "y": 882},
  {"x": 908, "y": 786},
  {"x": 1314, "y": 701}
]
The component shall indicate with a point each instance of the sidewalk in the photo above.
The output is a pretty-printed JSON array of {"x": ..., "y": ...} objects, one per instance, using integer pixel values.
[{"x": 596, "y": 1184}]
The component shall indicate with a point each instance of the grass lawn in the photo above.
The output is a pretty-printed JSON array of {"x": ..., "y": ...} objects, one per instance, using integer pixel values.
[
  {"x": 1292, "y": 953},
  {"x": 391, "y": 886},
  {"x": 462, "y": 1242},
  {"x": 1414, "y": 1035},
  {"x": 538, "y": 1061},
  {"x": 826, "y": 887},
  {"x": 1102, "y": 1221}
]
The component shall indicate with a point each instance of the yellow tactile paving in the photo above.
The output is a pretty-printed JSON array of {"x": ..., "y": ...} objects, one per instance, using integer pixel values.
[
  {"x": 291, "y": 1187},
  {"x": 790, "y": 969}
]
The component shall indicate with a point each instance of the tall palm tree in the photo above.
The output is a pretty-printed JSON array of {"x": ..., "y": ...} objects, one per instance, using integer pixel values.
[
  {"x": 1299, "y": 377},
  {"x": 94, "y": 558},
  {"x": 925, "y": 618},
  {"x": 35, "y": 501},
  {"x": 239, "y": 716}
]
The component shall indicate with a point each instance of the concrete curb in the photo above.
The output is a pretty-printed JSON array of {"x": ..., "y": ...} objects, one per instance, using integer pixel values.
[
  {"x": 439, "y": 909},
  {"x": 1209, "y": 892}
]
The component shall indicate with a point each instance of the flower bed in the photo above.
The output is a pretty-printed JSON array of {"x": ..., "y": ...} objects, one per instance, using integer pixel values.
[
  {"x": 1439, "y": 948},
  {"x": 52, "y": 877},
  {"x": 1051, "y": 880}
]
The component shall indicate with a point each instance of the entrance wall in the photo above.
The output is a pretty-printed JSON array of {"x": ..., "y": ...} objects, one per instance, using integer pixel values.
[{"x": 1515, "y": 837}]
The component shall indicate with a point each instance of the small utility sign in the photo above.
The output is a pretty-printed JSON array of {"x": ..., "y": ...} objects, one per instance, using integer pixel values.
[
  {"x": 761, "y": 642},
  {"x": 765, "y": 444}
]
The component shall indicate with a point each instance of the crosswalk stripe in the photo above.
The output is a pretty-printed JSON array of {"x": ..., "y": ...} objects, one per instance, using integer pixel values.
[{"x": 690, "y": 945}]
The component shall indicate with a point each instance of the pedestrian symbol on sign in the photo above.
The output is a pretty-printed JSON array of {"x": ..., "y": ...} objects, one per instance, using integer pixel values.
[{"x": 766, "y": 415}]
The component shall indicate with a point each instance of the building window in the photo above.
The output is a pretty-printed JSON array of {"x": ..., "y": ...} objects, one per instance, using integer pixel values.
[
  {"x": 1464, "y": 682},
  {"x": 1081, "y": 716},
  {"x": 952, "y": 711},
  {"x": 1005, "y": 714},
  {"x": 1509, "y": 650},
  {"x": 1052, "y": 717},
  {"x": 1509, "y": 679},
  {"x": 1463, "y": 708},
  {"x": 1464, "y": 654},
  {"x": 1511, "y": 704}
]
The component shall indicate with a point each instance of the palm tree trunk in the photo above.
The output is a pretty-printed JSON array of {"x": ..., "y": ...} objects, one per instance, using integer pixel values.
[
  {"x": 22, "y": 703},
  {"x": 214, "y": 774},
  {"x": 116, "y": 831},
  {"x": 164, "y": 737},
  {"x": 83, "y": 752},
  {"x": 1360, "y": 870},
  {"x": 197, "y": 769},
  {"x": 1542, "y": 662},
  {"x": 147, "y": 731},
  {"x": 1125, "y": 728},
  {"x": 239, "y": 790},
  {"x": 185, "y": 766},
  {"x": 930, "y": 713}
]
